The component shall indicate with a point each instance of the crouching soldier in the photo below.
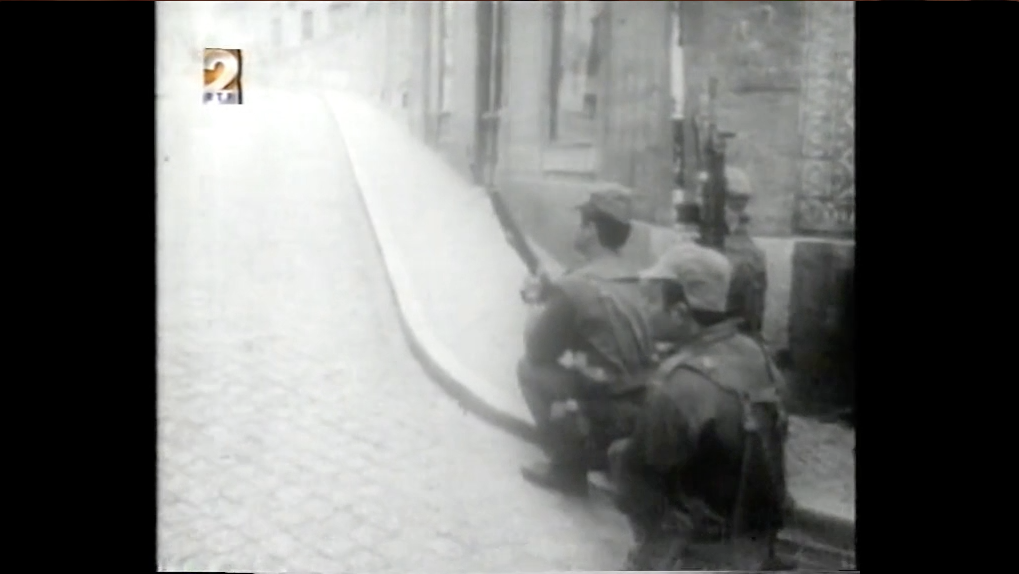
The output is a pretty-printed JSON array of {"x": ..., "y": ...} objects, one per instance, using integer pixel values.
[
  {"x": 585, "y": 346},
  {"x": 702, "y": 478}
]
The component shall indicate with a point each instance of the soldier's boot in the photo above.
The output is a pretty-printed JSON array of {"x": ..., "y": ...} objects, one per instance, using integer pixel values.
[
  {"x": 570, "y": 479},
  {"x": 567, "y": 471},
  {"x": 655, "y": 548}
]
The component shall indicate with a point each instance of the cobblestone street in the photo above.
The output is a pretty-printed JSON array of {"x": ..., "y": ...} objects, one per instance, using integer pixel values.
[{"x": 296, "y": 431}]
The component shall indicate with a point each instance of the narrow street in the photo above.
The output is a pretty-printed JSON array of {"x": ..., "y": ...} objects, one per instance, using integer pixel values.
[{"x": 296, "y": 430}]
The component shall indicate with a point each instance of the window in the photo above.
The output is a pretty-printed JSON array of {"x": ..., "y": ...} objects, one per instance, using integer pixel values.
[
  {"x": 307, "y": 25},
  {"x": 573, "y": 71}
]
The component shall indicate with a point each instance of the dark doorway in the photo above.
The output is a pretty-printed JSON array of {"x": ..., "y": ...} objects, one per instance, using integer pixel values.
[{"x": 488, "y": 92}]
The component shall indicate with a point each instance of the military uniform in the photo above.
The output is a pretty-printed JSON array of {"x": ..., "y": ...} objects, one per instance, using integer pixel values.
[
  {"x": 595, "y": 315},
  {"x": 702, "y": 478},
  {"x": 750, "y": 269},
  {"x": 749, "y": 280}
]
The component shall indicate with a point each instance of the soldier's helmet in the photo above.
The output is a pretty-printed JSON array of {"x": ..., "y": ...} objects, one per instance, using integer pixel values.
[
  {"x": 738, "y": 183},
  {"x": 612, "y": 200},
  {"x": 704, "y": 273}
]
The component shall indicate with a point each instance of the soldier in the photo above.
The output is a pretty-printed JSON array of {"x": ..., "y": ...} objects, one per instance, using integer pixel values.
[
  {"x": 750, "y": 272},
  {"x": 584, "y": 345},
  {"x": 701, "y": 479}
]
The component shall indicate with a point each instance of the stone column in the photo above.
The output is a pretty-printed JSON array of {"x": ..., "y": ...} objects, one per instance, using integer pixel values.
[
  {"x": 637, "y": 106},
  {"x": 525, "y": 64}
]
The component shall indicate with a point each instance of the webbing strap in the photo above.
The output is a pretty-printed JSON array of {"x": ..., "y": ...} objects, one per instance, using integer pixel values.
[{"x": 748, "y": 399}]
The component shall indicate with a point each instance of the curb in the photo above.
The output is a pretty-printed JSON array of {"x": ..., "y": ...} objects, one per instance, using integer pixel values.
[
  {"x": 836, "y": 533},
  {"x": 437, "y": 360}
]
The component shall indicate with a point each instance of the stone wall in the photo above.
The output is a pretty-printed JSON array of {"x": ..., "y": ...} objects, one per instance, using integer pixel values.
[
  {"x": 522, "y": 137},
  {"x": 455, "y": 126},
  {"x": 820, "y": 338},
  {"x": 754, "y": 50},
  {"x": 785, "y": 72},
  {"x": 635, "y": 104},
  {"x": 632, "y": 145}
]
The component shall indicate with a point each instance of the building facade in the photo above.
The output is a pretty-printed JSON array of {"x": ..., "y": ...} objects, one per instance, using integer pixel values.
[
  {"x": 589, "y": 91},
  {"x": 315, "y": 42},
  {"x": 604, "y": 91}
]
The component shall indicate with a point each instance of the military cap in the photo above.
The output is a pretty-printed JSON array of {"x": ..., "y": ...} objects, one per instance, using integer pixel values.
[
  {"x": 612, "y": 200},
  {"x": 738, "y": 182},
  {"x": 704, "y": 274}
]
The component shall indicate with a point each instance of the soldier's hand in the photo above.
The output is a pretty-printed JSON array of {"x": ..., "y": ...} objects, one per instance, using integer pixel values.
[
  {"x": 561, "y": 409},
  {"x": 533, "y": 288}
]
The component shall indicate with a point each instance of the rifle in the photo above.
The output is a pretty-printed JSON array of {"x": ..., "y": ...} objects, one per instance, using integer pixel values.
[
  {"x": 490, "y": 122},
  {"x": 514, "y": 236},
  {"x": 712, "y": 221}
]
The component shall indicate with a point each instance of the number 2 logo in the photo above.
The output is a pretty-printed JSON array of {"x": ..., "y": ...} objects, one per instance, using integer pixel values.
[{"x": 230, "y": 75}]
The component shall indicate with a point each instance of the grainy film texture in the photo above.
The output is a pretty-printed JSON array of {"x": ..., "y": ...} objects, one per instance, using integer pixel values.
[{"x": 440, "y": 294}]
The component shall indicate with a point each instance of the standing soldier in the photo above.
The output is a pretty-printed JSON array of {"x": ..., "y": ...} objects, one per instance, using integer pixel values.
[
  {"x": 702, "y": 478},
  {"x": 750, "y": 271},
  {"x": 594, "y": 316}
]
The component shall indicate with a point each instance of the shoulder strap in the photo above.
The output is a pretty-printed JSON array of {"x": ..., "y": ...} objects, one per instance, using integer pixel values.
[
  {"x": 673, "y": 362},
  {"x": 751, "y": 424}
]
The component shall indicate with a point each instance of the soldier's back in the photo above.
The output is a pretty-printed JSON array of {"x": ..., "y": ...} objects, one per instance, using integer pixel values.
[
  {"x": 612, "y": 319},
  {"x": 713, "y": 382}
]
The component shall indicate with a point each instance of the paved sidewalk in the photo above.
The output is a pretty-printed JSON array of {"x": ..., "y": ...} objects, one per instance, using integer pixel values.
[
  {"x": 455, "y": 277},
  {"x": 456, "y": 280}
]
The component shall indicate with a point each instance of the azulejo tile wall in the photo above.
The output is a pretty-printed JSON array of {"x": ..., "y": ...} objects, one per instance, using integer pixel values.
[{"x": 827, "y": 200}]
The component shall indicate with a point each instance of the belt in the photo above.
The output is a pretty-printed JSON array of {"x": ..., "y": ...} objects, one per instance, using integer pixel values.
[
  {"x": 697, "y": 528},
  {"x": 701, "y": 522}
]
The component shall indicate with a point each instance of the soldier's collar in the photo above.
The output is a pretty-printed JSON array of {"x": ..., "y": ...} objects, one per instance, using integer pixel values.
[
  {"x": 609, "y": 266},
  {"x": 716, "y": 332}
]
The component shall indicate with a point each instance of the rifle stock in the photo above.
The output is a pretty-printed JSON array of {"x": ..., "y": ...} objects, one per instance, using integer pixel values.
[{"x": 514, "y": 236}]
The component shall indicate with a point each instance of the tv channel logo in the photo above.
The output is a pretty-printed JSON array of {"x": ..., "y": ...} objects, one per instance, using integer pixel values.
[{"x": 222, "y": 76}]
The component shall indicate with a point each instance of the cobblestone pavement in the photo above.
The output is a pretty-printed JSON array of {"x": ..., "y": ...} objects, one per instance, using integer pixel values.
[{"x": 296, "y": 432}]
